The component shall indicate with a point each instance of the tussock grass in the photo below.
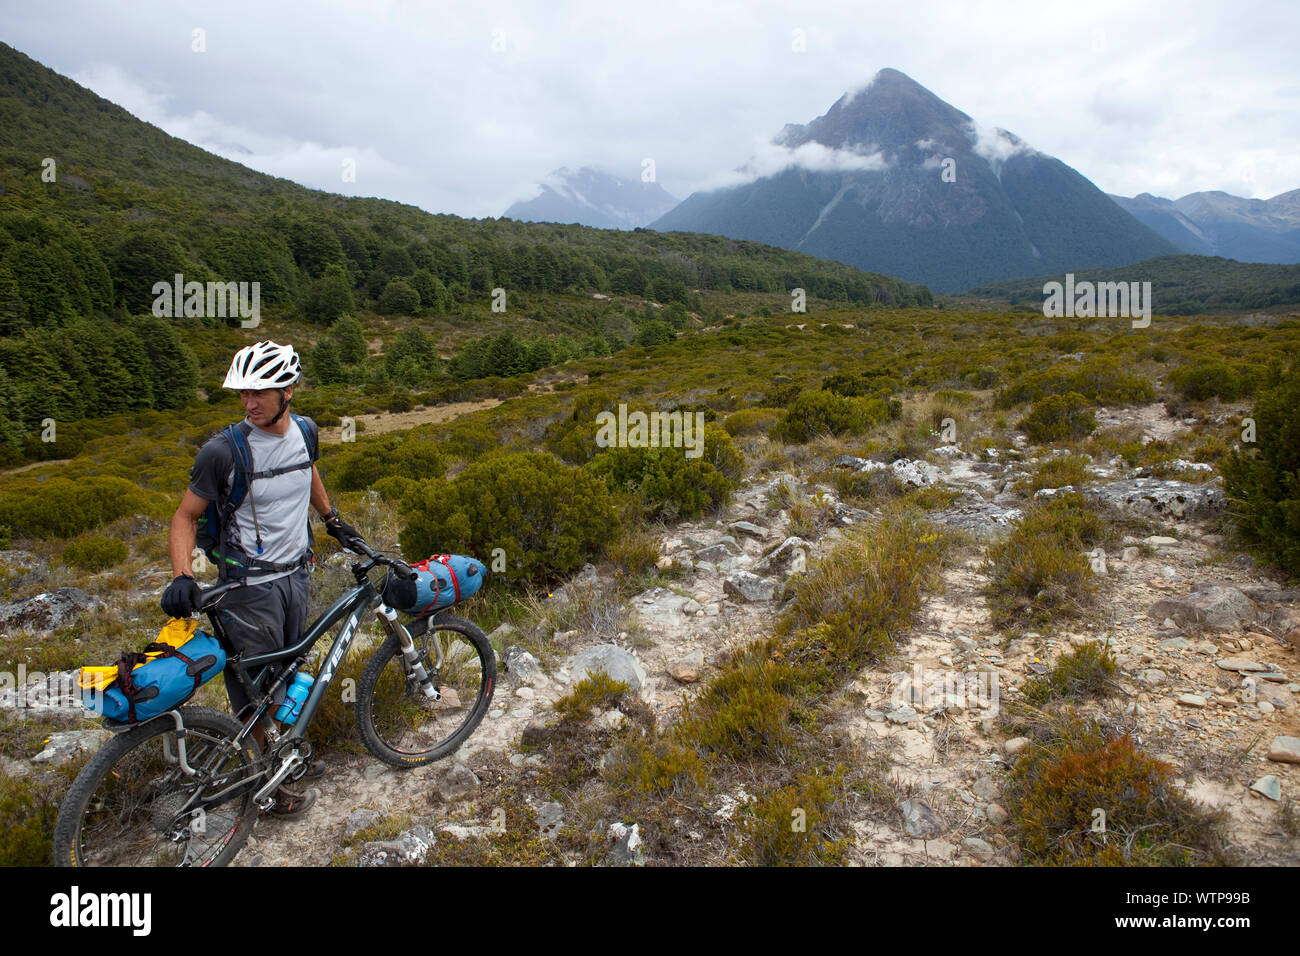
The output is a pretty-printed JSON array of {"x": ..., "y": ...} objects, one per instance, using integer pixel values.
[
  {"x": 801, "y": 824},
  {"x": 1083, "y": 672},
  {"x": 1056, "y": 472},
  {"x": 1075, "y": 766},
  {"x": 765, "y": 710},
  {"x": 1038, "y": 573},
  {"x": 595, "y": 692}
]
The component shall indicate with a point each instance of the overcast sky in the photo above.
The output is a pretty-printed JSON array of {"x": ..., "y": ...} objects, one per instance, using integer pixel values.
[{"x": 462, "y": 107}]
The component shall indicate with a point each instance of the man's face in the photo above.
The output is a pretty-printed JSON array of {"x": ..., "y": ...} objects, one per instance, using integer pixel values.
[{"x": 261, "y": 404}]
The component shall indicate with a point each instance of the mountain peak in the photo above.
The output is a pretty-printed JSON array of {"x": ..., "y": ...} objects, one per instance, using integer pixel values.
[
  {"x": 892, "y": 111},
  {"x": 895, "y": 180},
  {"x": 593, "y": 197}
]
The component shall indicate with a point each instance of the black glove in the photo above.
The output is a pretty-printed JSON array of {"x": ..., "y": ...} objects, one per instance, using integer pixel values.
[
  {"x": 341, "y": 531},
  {"x": 181, "y": 598}
]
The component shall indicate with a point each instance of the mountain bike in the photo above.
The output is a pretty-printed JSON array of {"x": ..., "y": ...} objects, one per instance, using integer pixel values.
[{"x": 185, "y": 788}]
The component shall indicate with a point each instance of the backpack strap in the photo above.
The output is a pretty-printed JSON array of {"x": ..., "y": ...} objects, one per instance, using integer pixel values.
[
  {"x": 310, "y": 435},
  {"x": 272, "y": 472},
  {"x": 237, "y": 437}
]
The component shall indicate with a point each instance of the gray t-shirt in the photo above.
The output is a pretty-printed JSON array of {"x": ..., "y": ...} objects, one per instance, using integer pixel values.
[{"x": 282, "y": 503}]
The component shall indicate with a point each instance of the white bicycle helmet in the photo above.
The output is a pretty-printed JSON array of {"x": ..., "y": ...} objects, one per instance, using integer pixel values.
[{"x": 263, "y": 365}]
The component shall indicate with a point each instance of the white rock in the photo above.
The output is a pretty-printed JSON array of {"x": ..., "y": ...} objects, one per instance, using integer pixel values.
[{"x": 1285, "y": 749}]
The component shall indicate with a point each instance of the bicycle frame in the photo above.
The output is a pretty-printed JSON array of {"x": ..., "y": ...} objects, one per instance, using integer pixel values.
[{"x": 348, "y": 608}]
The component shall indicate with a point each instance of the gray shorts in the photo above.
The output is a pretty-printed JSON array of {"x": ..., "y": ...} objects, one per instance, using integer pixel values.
[{"x": 263, "y": 617}]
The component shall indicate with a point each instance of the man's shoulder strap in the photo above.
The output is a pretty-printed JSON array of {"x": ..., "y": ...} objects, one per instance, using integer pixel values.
[
  {"x": 310, "y": 435},
  {"x": 237, "y": 437}
]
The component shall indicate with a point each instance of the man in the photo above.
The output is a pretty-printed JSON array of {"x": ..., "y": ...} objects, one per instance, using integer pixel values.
[{"x": 266, "y": 542}]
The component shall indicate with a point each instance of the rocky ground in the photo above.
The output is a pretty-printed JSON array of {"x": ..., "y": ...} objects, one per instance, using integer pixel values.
[{"x": 1206, "y": 644}]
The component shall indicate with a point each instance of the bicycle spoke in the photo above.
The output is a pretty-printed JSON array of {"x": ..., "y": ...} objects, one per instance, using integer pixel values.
[
  {"x": 407, "y": 728},
  {"x": 138, "y": 808}
]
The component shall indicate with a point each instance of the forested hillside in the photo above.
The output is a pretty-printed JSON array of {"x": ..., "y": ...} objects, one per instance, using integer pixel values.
[
  {"x": 1180, "y": 285},
  {"x": 96, "y": 207}
]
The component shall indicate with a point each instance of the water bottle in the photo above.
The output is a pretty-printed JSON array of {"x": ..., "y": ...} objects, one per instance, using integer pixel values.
[{"x": 294, "y": 698}]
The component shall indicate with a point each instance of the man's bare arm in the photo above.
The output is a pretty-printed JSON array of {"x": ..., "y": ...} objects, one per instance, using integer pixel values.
[
  {"x": 320, "y": 501},
  {"x": 185, "y": 528}
]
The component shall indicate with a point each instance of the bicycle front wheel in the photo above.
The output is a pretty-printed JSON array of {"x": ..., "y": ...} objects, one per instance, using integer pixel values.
[
  {"x": 129, "y": 806},
  {"x": 401, "y": 726}
]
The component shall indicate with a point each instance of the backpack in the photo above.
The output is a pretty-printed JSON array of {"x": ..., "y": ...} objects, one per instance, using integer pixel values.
[
  {"x": 167, "y": 673},
  {"x": 216, "y": 518},
  {"x": 444, "y": 580}
]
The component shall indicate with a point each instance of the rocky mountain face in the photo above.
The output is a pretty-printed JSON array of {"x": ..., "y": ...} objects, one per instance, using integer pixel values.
[
  {"x": 594, "y": 198},
  {"x": 895, "y": 180},
  {"x": 1218, "y": 224}
]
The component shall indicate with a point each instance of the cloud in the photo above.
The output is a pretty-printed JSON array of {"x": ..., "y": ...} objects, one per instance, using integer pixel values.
[
  {"x": 1117, "y": 103},
  {"x": 309, "y": 163},
  {"x": 437, "y": 117},
  {"x": 772, "y": 158},
  {"x": 994, "y": 145}
]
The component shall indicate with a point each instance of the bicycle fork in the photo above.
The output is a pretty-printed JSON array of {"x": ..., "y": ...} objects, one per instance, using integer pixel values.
[{"x": 411, "y": 658}]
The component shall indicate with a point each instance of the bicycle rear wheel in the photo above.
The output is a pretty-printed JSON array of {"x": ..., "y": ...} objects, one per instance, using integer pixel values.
[
  {"x": 401, "y": 726},
  {"x": 127, "y": 807}
]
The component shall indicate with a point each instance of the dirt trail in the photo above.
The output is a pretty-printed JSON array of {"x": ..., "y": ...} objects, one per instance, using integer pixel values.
[
  {"x": 397, "y": 421},
  {"x": 35, "y": 464}
]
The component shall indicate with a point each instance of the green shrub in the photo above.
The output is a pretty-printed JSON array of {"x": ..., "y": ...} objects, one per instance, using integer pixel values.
[
  {"x": 826, "y": 413},
  {"x": 468, "y": 440},
  {"x": 795, "y": 825},
  {"x": 874, "y": 383},
  {"x": 61, "y": 507},
  {"x": 1212, "y": 379},
  {"x": 1059, "y": 418},
  {"x": 95, "y": 552},
  {"x": 986, "y": 376},
  {"x": 635, "y": 552},
  {"x": 1070, "y": 518},
  {"x": 1100, "y": 380},
  {"x": 1263, "y": 483},
  {"x": 855, "y": 598},
  {"x": 399, "y": 298},
  {"x": 1056, "y": 472},
  {"x": 659, "y": 768},
  {"x": 750, "y": 421},
  {"x": 28, "y": 811},
  {"x": 1038, "y": 572},
  {"x": 394, "y": 488},
  {"x": 781, "y": 394},
  {"x": 361, "y": 464},
  {"x": 669, "y": 484},
  {"x": 1086, "y": 671},
  {"x": 596, "y": 691},
  {"x": 573, "y": 439},
  {"x": 548, "y": 518},
  {"x": 740, "y": 715},
  {"x": 882, "y": 484}
]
